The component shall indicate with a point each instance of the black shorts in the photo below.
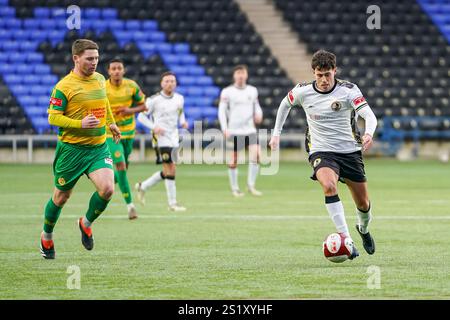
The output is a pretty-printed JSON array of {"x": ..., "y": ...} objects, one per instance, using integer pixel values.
[
  {"x": 239, "y": 142},
  {"x": 346, "y": 165},
  {"x": 168, "y": 155}
]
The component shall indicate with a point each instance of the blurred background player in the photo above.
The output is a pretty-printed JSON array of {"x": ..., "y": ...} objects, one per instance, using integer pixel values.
[
  {"x": 239, "y": 111},
  {"x": 333, "y": 141},
  {"x": 164, "y": 113},
  {"x": 80, "y": 108},
  {"x": 126, "y": 99}
]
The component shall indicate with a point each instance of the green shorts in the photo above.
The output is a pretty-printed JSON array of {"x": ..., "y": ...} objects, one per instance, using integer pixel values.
[
  {"x": 121, "y": 151},
  {"x": 72, "y": 161}
]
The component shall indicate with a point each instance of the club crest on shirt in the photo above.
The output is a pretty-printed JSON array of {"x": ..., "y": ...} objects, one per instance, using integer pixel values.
[
  {"x": 336, "y": 106},
  {"x": 61, "y": 181}
]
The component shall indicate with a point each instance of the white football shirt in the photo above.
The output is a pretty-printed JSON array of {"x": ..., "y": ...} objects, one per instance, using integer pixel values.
[{"x": 237, "y": 109}]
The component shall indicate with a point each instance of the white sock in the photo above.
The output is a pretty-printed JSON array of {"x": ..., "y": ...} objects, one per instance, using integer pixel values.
[
  {"x": 150, "y": 182},
  {"x": 233, "y": 175},
  {"x": 336, "y": 212},
  {"x": 47, "y": 236},
  {"x": 130, "y": 206},
  {"x": 364, "y": 219},
  {"x": 171, "y": 191},
  {"x": 253, "y": 169}
]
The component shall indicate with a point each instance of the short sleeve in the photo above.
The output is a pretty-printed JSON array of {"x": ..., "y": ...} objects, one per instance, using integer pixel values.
[
  {"x": 58, "y": 101},
  {"x": 139, "y": 96}
]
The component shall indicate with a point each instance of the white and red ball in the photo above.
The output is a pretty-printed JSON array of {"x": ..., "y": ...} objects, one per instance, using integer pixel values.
[{"x": 337, "y": 247}]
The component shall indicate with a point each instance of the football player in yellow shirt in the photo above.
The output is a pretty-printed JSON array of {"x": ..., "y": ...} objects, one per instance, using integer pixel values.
[
  {"x": 80, "y": 108},
  {"x": 126, "y": 99}
]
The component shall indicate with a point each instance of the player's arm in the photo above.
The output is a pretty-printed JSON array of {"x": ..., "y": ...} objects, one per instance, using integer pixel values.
[
  {"x": 111, "y": 122},
  {"x": 257, "y": 111},
  {"x": 138, "y": 100},
  {"x": 292, "y": 99},
  {"x": 222, "y": 113},
  {"x": 282, "y": 114},
  {"x": 363, "y": 109},
  {"x": 56, "y": 109},
  {"x": 146, "y": 117},
  {"x": 182, "y": 118}
]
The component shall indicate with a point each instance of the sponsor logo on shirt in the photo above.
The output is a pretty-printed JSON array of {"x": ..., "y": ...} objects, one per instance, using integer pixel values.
[
  {"x": 336, "y": 106},
  {"x": 108, "y": 161}
]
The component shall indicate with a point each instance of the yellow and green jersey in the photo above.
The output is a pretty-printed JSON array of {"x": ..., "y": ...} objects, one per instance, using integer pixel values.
[
  {"x": 129, "y": 95},
  {"x": 76, "y": 97}
]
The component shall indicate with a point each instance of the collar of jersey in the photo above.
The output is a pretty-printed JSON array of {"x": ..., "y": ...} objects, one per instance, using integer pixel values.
[
  {"x": 81, "y": 78},
  {"x": 326, "y": 92},
  {"x": 166, "y": 96},
  {"x": 239, "y": 88}
]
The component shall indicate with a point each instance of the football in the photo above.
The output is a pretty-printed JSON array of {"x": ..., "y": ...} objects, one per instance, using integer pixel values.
[{"x": 337, "y": 247}]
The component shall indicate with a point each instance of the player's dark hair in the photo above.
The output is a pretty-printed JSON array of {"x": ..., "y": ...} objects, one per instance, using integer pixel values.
[
  {"x": 167, "y": 73},
  {"x": 81, "y": 45},
  {"x": 114, "y": 60},
  {"x": 323, "y": 60},
  {"x": 240, "y": 67}
]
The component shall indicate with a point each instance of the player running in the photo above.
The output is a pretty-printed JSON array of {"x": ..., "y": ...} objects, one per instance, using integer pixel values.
[
  {"x": 166, "y": 111},
  {"x": 126, "y": 99},
  {"x": 80, "y": 108},
  {"x": 239, "y": 111},
  {"x": 333, "y": 141}
]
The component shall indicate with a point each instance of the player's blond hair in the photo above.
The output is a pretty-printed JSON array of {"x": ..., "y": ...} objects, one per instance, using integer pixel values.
[{"x": 81, "y": 45}]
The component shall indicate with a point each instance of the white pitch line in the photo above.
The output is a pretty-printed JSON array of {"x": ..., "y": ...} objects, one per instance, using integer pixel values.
[{"x": 186, "y": 216}]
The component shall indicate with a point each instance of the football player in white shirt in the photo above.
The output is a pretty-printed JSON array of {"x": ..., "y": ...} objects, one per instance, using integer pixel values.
[
  {"x": 333, "y": 141},
  {"x": 239, "y": 111},
  {"x": 164, "y": 113}
]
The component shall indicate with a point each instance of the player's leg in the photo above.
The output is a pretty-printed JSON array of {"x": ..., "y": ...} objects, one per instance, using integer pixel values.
[
  {"x": 169, "y": 156},
  {"x": 119, "y": 153},
  {"x": 142, "y": 187},
  {"x": 360, "y": 195},
  {"x": 233, "y": 146},
  {"x": 254, "y": 151},
  {"x": 51, "y": 215}
]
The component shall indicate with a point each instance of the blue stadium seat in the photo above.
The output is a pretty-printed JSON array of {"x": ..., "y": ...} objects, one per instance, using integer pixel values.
[
  {"x": 22, "y": 68},
  {"x": 157, "y": 36},
  {"x": 189, "y": 102},
  {"x": 31, "y": 24},
  {"x": 12, "y": 23},
  {"x": 109, "y": 14},
  {"x": 42, "y": 100},
  {"x": 58, "y": 13},
  {"x": 180, "y": 70},
  {"x": 34, "y": 112},
  {"x": 123, "y": 37},
  {"x": 12, "y": 79},
  {"x": 150, "y": 25},
  {"x": 116, "y": 24},
  {"x": 10, "y": 46},
  {"x": 140, "y": 36},
  {"x": 28, "y": 46},
  {"x": 203, "y": 102},
  {"x": 194, "y": 91},
  {"x": 49, "y": 80},
  {"x": 20, "y": 35},
  {"x": 99, "y": 26},
  {"x": 27, "y": 100},
  {"x": 181, "y": 48},
  {"x": 38, "y": 35},
  {"x": 163, "y": 48},
  {"x": 4, "y": 2},
  {"x": 196, "y": 70},
  {"x": 6, "y": 68},
  {"x": 41, "y": 124},
  {"x": 210, "y": 113},
  {"x": 56, "y": 36},
  {"x": 3, "y": 57},
  {"x": 188, "y": 59},
  {"x": 211, "y": 91},
  {"x": 187, "y": 80},
  {"x": 31, "y": 79},
  {"x": 16, "y": 57},
  {"x": 204, "y": 80},
  {"x": 91, "y": 13},
  {"x": 194, "y": 113},
  {"x": 4, "y": 35},
  {"x": 47, "y": 24},
  {"x": 42, "y": 12},
  {"x": 170, "y": 59},
  {"x": 19, "y": 89},
  {"x": 37, "y": 90},
  {"x": 133, "y": 25},
  {"x": 7, "y": 12},
  {"x": 41, "y": 69},
  {"x": 147, "y": 48},
  {"x": 34, "y": 57},
  {"x": 182, "y": 90}
]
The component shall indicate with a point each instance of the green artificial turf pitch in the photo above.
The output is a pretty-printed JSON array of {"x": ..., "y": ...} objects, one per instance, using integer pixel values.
[{"x": 230, "y": 248}]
